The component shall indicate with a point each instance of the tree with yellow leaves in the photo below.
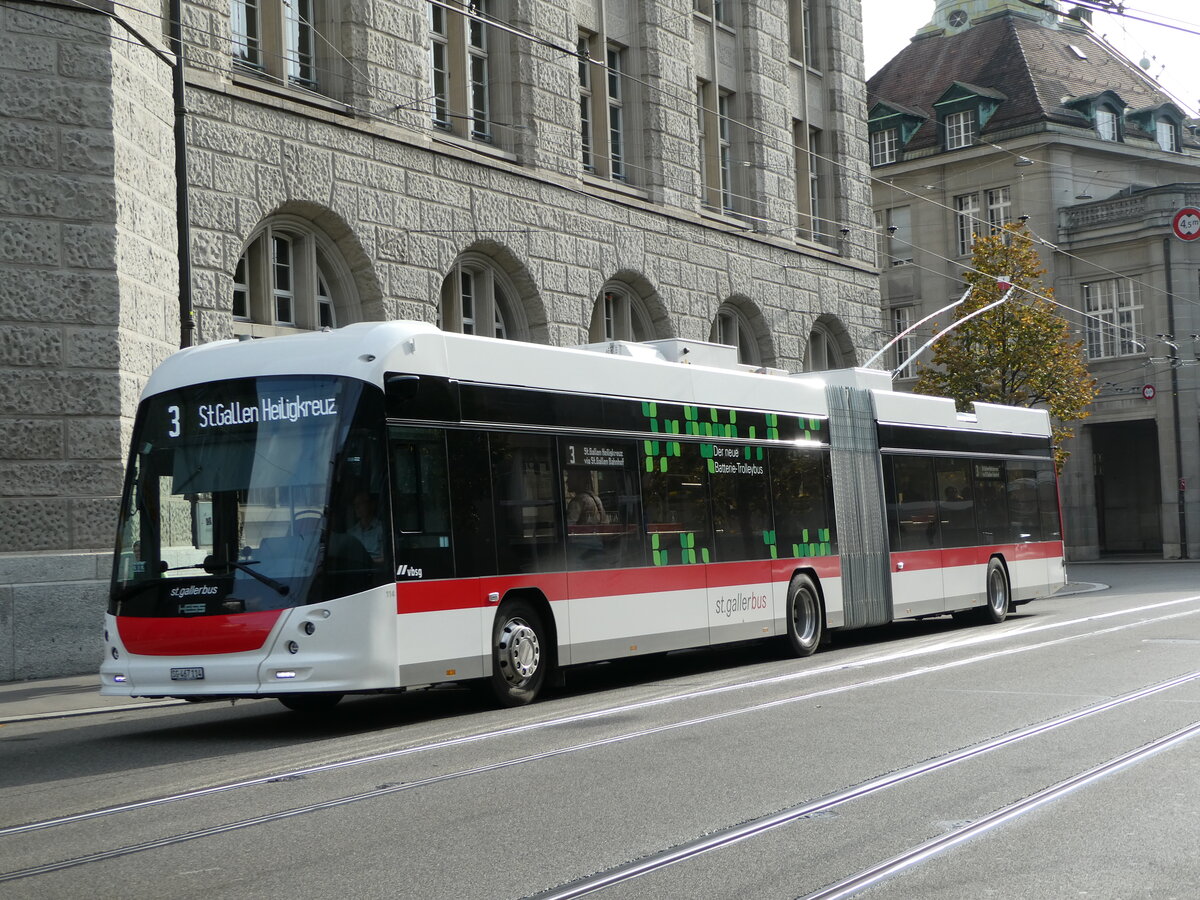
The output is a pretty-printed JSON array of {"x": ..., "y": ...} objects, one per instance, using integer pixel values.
[{"x": 1020, "y": 353}]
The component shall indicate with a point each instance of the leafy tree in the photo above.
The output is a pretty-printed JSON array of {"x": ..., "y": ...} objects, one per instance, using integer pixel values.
[{"x": 1020, "y": 353}]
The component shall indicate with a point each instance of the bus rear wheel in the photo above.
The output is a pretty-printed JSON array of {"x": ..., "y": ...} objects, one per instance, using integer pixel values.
[
  {"x": 995, "y": 610},
  {"x": 803, "y": 616},
  {"x": 519, "y": 654}
]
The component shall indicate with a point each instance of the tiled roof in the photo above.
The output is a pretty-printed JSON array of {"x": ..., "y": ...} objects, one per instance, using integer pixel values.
[{"x": 1036, "y": 67}]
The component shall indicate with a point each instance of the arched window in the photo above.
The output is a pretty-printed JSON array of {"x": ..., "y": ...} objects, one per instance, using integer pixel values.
[
  {"x": 829, "y": 346},
  {"x": 290, "y": 276},
  {"x": 619, "y": 315},
  {"x": 733, "y": 328},
  {"x": 477, "y": 299}
]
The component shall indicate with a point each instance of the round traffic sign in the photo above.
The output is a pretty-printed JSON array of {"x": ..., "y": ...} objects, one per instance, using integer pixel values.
[
  {"x": 1186, "y": 224},
  {"x": 1148, "y": 392}
]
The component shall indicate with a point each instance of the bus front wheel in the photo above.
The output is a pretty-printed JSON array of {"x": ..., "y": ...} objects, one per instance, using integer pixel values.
[
  {"x": 995, "y": 610},
  {"x": 803, "y": 616},
  {"x": 520, "y": 655}
]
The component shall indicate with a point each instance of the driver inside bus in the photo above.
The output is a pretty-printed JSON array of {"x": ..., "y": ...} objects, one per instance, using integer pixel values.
[{"x": 367, "y": 528}]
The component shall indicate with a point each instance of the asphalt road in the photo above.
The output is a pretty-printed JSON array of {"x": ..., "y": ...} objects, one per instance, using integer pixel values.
[{"x": 1055, "y": 755}]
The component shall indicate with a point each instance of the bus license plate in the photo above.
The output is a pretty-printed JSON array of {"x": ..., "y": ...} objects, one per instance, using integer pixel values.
[{"x": 193, "y": 673}]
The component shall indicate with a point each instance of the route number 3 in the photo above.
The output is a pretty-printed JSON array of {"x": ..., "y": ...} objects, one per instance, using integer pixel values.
[{"x": 174, "y": 412}]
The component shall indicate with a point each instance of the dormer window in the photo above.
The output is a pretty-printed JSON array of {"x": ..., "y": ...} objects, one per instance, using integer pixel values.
[
  {"x": 885, "y": 146},
  {"x": 1162, "y": 124},
  {"x": 1105, "y": 112},
  {"x": 960, "y": 129},
  {"x": 1167, "y": 135},
  {"x": 891, "y": 126},
  {"x": 963, "y": 113},
  {"x": 1106, "y": 123}
]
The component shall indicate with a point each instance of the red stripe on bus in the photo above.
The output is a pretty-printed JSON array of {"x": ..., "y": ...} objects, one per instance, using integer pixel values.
[
  {"x": 924, "y": 560},
  {"x": 472, "y": 593},
  {"x": 197, "y": 635}
]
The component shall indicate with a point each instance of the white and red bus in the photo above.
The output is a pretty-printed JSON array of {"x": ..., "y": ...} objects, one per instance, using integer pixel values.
[{"x": 388, "y": 506}]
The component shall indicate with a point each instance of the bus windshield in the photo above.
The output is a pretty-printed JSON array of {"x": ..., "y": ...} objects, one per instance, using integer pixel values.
[{"x": 252, "y": 494}]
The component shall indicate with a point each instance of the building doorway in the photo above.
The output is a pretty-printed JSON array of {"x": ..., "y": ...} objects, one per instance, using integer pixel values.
[{"x": 1128, "y": 492}]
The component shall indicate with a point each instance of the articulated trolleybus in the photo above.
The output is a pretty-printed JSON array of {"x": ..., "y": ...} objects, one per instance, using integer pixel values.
[{"x": 388, "y": 506}]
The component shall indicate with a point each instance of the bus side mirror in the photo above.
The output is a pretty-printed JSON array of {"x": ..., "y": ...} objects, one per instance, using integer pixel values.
[{"x": 403, "y": 387}]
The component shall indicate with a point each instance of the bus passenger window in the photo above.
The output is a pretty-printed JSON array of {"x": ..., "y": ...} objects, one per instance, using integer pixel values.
[
  {"x": 1026, "y": 523},
  {"x": 912, "y": 504},
  {"x": 991, "y": 503},
  {"x": 528, "y": 515},
  {"x": 420, "y": 503},
  {"x": 602, "y": 504},
  {"x": 675, "y": 491},
  {"x": 741, "y": 502},
  {"x": 800, "y": 484},
  {"x": 1047, "y": 488},
  {"x": 956, "y": 503}
]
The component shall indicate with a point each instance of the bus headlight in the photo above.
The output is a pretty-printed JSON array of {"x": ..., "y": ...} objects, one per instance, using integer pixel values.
[{"x": 293, "y": 647}]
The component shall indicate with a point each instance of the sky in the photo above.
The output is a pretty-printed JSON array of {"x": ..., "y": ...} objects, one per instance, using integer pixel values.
[{"x": 888, "y": 25}]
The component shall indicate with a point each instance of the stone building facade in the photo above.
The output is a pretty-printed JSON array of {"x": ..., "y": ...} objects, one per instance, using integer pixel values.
[
  {"x": 541, "y": 171},
  {"x": 998, "y": 111}
]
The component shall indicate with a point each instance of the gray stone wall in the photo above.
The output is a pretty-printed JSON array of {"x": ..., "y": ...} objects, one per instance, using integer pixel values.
[{"x": 87, "y": 310}]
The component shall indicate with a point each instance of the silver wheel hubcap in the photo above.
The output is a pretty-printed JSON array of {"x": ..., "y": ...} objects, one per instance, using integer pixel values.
[
  {"x": 803, "y": 617},
  {"x": 520, "y": 652},
  {"x": 999, "y": 594}
]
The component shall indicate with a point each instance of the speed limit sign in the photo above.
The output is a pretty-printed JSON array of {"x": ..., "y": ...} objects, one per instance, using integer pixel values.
[{"x": 1186, "y": 224}]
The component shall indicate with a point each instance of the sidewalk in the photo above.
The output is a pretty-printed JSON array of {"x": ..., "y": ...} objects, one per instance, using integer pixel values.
[{"x": 76, "y": 695}]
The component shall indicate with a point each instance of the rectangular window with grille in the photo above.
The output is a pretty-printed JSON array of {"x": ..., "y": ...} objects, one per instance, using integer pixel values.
[
  {"x": 960, "y": 129},
  {"x": 999, "y": 209},
  {"x": 966, "y": 217},
  {"x": 885, "y": 146},
  {"x": 1114, "y": 312},
  {"x": 902, "y": 318}
]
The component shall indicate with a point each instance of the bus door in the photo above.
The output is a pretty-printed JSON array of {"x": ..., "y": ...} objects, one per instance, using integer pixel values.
[
  {"x": 616, "y": 607},
  {"x": 914, "y": 531},
  {"x": 678, "y": 526},
  {"x": 964, "y": 560},
  {"x": 440, "y": 617},
  {"x": 741, "y": 601}
]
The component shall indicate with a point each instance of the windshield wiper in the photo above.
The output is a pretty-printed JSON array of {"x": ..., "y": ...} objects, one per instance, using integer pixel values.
[
  {"x": 278, "y": 586},
  {"x": 210, "y": 565}
]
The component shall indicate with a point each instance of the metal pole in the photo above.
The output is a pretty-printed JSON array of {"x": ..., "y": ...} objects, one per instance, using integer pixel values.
[
  {"x": 187, "y": 316},
  {"x": 1180, "y": 494}
]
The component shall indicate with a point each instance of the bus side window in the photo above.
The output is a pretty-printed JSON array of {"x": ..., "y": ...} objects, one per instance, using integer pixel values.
[
  {"x": 1023, "y": 502},
  {"x": 471, "y": 504},
  {"x": 420, "y": 503},
  {"x": 991, "y": 503},
  {"x": 602, "y": 503},
  {"x": 800, "y": 484},
  {"x": 675, "y": 493},
  {"x": 529, "y": 534},
  {"x": 912, "y": 504},
  {"x": 1047, "y": 487},
  {"x": 741, "y": 502},
  {"x": 956, "y": 503}
]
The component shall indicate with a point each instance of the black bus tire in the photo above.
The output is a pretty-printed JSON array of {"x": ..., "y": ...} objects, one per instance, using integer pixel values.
[
  {"x": 804, "y": 621},
  {"x": 520, "y": 654},
  {"x": 999, "y": 597}
]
